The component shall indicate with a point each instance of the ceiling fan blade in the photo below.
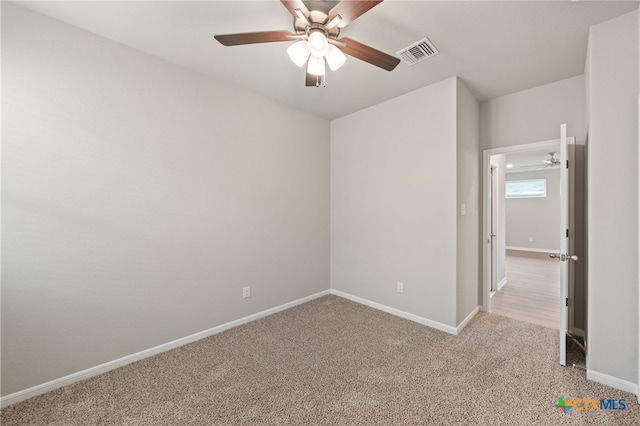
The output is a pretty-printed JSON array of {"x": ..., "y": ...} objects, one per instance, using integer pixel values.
[
  {"x": 292, "y": 5},
  {"x": 349, "y": 10},
  {"x": 369, "y": 54},
  {"x": 252, "y": 38}
]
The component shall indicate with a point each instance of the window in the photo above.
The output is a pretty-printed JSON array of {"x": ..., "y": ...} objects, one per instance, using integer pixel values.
[{"x": 531, "y": 188}]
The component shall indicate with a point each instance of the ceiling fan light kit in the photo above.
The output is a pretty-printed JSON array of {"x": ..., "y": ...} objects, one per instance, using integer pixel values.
[
  {"x": 299, "y": 52},
  {"x": 317, "y": 28},
  {"x": 318, "y": 44},
  {"x": 316, "y": 49},
  {"x": 335, "y": 58},
  {"x": 315, "y": 65}
]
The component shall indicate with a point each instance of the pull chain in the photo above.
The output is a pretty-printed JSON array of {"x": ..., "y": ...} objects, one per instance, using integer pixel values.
[{"x": 321, "y": 79}]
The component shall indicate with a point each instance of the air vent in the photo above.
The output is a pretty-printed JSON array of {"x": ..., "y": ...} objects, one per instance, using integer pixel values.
[{"x": 418, "y": 52}]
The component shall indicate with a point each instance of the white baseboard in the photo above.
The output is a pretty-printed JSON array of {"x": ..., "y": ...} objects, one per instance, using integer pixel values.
[
  {"x": 613, "y": 382},
  {"x": 535, "y": 250},
  {"x": 502, "y": 283},
  {"x": 103, "y": 368},
  {"x": 397, "y": 312},
  {"x": 465, "y": 321}
]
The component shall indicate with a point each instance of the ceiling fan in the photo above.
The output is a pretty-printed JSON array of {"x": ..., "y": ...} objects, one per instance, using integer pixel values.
[
  {"x": 551, "y": 162},
  {"x": 316, "y": 27}
]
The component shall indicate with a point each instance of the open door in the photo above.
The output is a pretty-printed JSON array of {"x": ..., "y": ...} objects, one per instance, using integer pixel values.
[
  {"x": 565, "y": 235},
  {"x": 493, "y": 208}
]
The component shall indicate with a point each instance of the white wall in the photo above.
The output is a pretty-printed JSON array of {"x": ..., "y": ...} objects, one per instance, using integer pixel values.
[
  {"x": 612, "y": 85},
  {"x": 537, "y": 218},
  {"x": 468, "y": 151},
  {"x": 393, "y": 203},
  {"x": 138, "y": 198},
  {"x": 534, "y": 115},
  {"x": 396, "y": 198}
]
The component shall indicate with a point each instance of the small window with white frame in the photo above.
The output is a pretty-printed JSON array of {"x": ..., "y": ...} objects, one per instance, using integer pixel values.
[{"x": 530, "y": 188}]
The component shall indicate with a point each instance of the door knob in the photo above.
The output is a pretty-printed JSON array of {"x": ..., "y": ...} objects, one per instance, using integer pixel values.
[{"x": 563, "y": 257}]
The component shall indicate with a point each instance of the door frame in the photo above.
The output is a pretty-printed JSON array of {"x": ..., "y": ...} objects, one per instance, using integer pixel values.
[{"x": 486, "y": 212}]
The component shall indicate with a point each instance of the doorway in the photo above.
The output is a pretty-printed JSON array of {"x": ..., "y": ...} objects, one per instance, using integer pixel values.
[
  {"x": 495, "y": 162},
  {"x": 525, "y": 224},
  {"x": 494, "y": 238}
]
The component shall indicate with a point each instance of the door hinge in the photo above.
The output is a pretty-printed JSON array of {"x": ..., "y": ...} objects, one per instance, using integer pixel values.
[
  {"x": 566, "y": 301},
  {"x": 567, "y": 233},
  {"x": 567, "y": 164}
]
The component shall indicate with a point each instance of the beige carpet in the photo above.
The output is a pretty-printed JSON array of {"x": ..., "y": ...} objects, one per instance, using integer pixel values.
[{"x": 332, "y": 361}]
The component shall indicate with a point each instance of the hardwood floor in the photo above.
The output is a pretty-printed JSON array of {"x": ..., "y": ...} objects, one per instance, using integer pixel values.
[{"x": 532, "y": 292}]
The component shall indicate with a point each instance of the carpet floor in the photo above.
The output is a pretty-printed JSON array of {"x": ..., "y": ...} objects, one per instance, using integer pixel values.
[{"x": 333, "y": 361}]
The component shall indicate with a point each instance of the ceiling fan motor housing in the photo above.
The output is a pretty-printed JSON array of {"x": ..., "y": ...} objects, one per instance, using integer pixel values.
[{"x": 317, "y": 18}]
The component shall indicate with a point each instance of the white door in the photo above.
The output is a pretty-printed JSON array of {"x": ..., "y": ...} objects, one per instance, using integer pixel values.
[
  {"x": 565, "y": 234},
  {"x": 493, "y": 206},
  {"x": 564, "y": 243}
]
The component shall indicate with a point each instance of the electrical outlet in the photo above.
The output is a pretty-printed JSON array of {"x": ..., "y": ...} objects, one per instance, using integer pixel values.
[
  {"x": 400, "y": 287},
  {"x": 246, "y": 292}
]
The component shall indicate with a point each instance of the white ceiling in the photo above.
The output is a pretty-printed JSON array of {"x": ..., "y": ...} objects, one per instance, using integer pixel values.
[{"x": 496, "y": 47}]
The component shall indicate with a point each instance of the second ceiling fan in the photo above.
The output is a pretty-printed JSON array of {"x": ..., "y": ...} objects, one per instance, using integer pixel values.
[{"x": 317, "y": 27}]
